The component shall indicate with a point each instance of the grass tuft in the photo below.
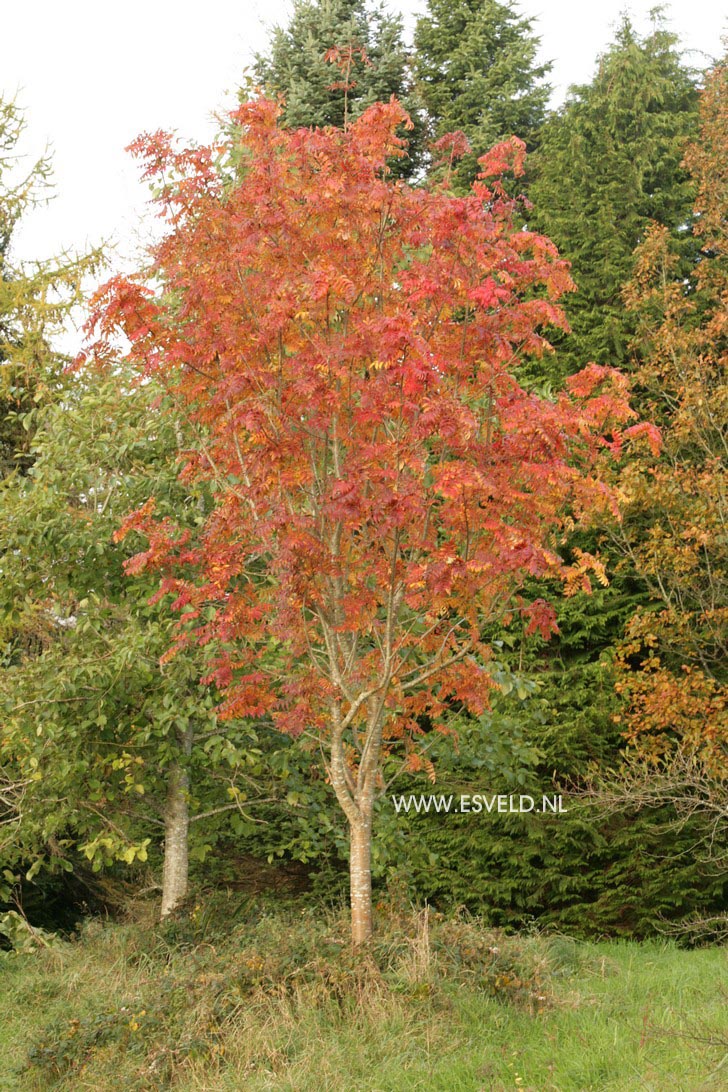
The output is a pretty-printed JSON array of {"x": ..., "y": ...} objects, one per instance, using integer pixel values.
[{"x": 239, "y": 995}]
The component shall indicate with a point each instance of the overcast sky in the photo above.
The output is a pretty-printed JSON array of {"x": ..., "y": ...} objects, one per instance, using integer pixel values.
[{"x": 90, "y": 76}]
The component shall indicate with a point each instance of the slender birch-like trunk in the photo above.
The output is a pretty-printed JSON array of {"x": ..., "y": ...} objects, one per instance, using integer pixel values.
[
  {"x": 360, "y": 873},
  {"x": 175, "y": 872},
  {"x": 176, "y": 833},
  {"x": 355, "y": 793}
]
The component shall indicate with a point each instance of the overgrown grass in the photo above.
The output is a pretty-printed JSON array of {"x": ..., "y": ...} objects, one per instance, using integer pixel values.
[{"x": 276, "y": 1000}]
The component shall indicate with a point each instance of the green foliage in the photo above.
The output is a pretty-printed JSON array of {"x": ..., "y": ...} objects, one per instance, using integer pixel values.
[
  {"x": 34, "y": 299},
  {"x": 582, "y": 872},
  {"x": 476, "y": 70},
  {"x": 22, "y": 936},
  {"x": 609, "y": 162},
  {"x": 319, "y": 92},
  {"x": 578, "y": 872},
  {"x": 92, "y": 724}
]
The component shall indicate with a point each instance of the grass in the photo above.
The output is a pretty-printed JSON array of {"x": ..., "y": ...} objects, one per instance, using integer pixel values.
[{"x": 276, "y": 1000}]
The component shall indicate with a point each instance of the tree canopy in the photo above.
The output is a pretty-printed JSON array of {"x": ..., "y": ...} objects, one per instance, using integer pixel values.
[
  {"x": 675, "y": 519},
  {"x": 609, "y": 163},
  {"x": 335, "y": 58},
  {"x": 382, "y": 484},
  {"x": 476, "y": 69}
]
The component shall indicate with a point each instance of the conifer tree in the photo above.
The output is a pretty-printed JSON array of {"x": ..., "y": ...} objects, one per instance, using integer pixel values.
[
  {"x": 334, "y": 59},
  {"x": 34, "y": 299},
  {"x": 609, "y": 163},
  {"x": 476, "y": 68}
]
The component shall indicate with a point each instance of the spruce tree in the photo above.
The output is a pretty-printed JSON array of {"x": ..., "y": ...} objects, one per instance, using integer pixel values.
[
  {"x": 319, "y": 91},
  {"x": 609, "y": 162},
  {"x": 475, "y": 63}
]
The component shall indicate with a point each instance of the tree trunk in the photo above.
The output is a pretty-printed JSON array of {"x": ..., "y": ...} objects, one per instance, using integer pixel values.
[
  {"x": 176, "y": 834},
  {"x": 356, "y": 797},
  {"x": 361, "y": 881}
]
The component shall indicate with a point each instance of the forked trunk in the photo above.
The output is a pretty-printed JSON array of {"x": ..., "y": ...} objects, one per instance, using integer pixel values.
[
  {"x": 361, "y": 881},
  {"x": 176, "y": 831}
]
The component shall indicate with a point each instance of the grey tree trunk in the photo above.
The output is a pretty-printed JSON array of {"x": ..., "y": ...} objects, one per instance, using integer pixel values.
[{"x": 176, "y": 833}]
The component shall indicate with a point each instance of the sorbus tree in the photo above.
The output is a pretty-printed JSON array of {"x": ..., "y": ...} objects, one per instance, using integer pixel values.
[{"x": 346, "y": 347}]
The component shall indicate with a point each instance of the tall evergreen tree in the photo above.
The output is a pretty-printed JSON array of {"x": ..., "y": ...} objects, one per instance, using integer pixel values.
[
  {"x": 609, "y": 163},
  {"x": 475, "y": 63},
  {"x": 321, "y": 89}
]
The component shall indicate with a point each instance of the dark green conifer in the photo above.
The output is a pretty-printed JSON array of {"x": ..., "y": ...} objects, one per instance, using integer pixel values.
[
  {"x": 319, "y": 92},
  {"x": 476, "y": 68},
  {"x": 609, "y": 162}
]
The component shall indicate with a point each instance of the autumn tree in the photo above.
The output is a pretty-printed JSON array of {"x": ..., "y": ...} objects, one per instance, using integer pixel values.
[
  {"x": 382, "y": 484},
  {"x": 675, "y": 655},
  {"x": 476, "y": 70}
]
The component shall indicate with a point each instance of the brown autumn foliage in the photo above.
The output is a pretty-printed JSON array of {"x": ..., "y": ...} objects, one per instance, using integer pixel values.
[{"x": 674, "y": 658}]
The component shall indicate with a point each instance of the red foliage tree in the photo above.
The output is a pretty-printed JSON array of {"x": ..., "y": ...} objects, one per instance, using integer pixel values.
[{"x": 382, "y": 485}]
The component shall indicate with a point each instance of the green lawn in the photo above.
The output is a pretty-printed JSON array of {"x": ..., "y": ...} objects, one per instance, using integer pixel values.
[{"x": 256, "y": 1007}]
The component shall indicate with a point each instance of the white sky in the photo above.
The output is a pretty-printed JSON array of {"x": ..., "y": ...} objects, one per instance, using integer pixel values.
[{"x": 91, "y": 76}]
